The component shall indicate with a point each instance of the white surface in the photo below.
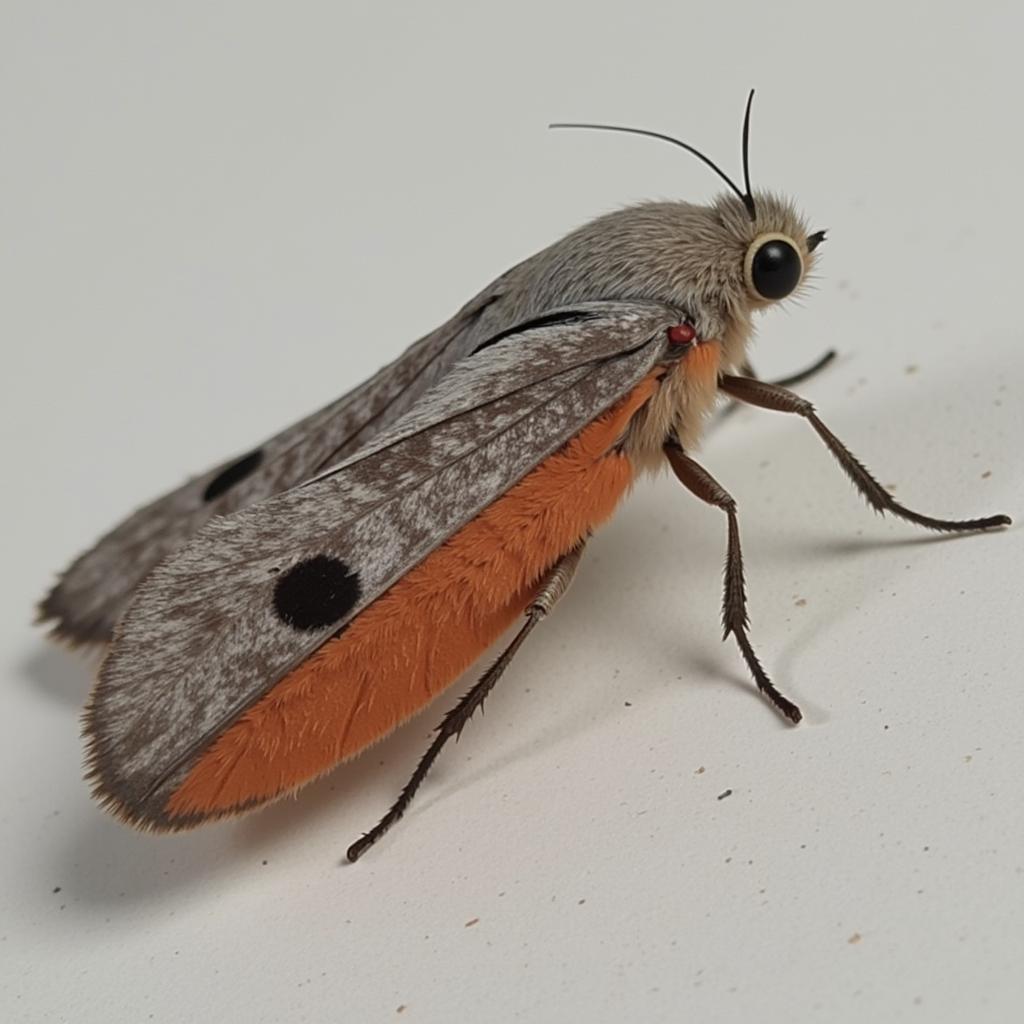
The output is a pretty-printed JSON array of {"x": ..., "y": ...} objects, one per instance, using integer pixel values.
[{"x": 217, "y": 217}]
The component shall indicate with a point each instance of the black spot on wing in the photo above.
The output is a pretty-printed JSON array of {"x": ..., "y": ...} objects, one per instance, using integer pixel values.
[
  {"x": 316, "y": 593},
  {"x": 565, "y": 317},
  {"x": 235, "y": 473}
]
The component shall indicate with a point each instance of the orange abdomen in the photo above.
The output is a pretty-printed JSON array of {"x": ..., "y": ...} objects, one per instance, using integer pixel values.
[{"x": 421, "y": 634}]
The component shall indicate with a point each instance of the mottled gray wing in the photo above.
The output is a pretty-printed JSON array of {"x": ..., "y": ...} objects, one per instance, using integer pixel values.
[
  {"x": 92, "y": 593},
  {"x": 255, "y": 593}
]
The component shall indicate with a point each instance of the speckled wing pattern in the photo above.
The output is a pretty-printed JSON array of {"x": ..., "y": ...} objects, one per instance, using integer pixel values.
[
  {"x": 253, "y": 594},
  {"x": 92, "y": 594}
]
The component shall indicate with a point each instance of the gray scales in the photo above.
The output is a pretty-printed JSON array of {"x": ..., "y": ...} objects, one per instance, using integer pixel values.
[{"x": 205, "y": 637}]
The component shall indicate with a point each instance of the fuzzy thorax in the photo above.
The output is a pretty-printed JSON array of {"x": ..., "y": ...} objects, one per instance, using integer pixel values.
[{"x": 687, "y": 396}]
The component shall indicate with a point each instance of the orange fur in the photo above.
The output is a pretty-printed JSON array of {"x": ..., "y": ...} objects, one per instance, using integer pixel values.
[
  {"x": 686, "y": 396},
  {"x": 702, "y": 363},
  {"x": 421, "y": 634}
]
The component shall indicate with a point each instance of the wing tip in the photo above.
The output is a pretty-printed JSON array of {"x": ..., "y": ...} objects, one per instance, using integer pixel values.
[
  {"x": 132, "y": 803},
  {"x": 107, "y": 784},
  {"x": 147, "y": 817},
  {"x": 64, "y": 625},
  {"x": 117, "y": 799}
]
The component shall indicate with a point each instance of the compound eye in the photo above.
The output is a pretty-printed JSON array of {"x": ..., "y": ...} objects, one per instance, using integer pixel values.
[{"x": 773, "y": 267}]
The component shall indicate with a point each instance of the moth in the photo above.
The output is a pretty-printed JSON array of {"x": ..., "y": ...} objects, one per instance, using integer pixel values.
[{"x": 278, "y": 614}]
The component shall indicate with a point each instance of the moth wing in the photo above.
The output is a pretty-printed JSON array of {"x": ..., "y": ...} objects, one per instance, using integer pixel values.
[
  {"x": 253, "y": 594},
  {"x": 93, "y": 592}
]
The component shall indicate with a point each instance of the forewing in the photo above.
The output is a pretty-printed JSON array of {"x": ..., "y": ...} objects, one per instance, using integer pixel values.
[
  {"x": 255, "y": 593},
  {"x": 92, "y": 594}
]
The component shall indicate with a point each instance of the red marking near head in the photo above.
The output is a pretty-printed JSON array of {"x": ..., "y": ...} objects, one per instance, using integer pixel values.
[{"x": 681, "y": 334}]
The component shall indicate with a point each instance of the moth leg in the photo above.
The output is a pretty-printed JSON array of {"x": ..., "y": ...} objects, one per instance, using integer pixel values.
[
  {"x": 553, "y": 586},
  {"x": 778, "y": 399},
  {"x": 734, "y": 601},
  {"x": 807, "y": 372},
  {"x": 784, "y": 382},
  {"x": 794, "y": 378}
]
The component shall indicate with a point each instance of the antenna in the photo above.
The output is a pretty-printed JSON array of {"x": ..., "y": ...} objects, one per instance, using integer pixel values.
[{"x": 745, "y": 196}]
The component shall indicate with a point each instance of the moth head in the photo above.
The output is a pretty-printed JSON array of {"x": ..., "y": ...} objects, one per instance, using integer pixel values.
[
  {"x": 766, "y": 257},
  {"x": 753, "y": 249}
]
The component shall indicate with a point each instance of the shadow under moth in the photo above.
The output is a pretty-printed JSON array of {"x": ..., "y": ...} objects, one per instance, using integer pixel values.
[{"x": 278, "y": 614}]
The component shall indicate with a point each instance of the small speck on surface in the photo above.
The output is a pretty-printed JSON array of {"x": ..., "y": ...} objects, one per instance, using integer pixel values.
[
  {"x": 56, "y": 888},
  {"x": 912, "y": 368},
  {"x": 699, "y": 771},
  {"x": 854, "y": 938},
  {"x": 472, "y": 921},
  {"x": 986, "y": 474},
  {"x": 801, "y": 602},
  {"x": 628, "y": 703},
  {"x": 400, "y": 1008},
  {"x": 724, "y": 794}
]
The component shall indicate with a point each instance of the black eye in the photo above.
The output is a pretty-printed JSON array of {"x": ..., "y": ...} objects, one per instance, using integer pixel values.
[{"x": 774, "y": 267}]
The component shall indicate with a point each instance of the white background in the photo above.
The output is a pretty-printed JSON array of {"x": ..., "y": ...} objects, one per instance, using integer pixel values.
[{"x": 216, "y": 217}]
